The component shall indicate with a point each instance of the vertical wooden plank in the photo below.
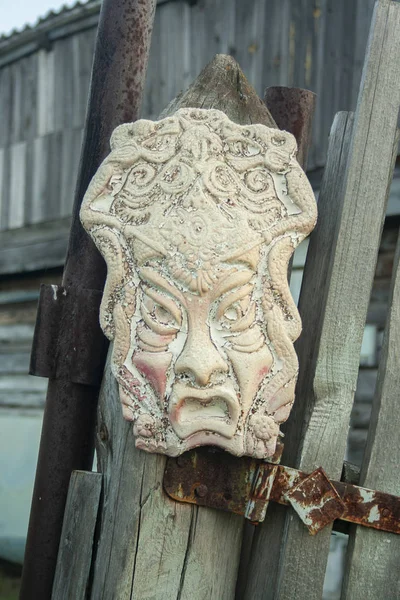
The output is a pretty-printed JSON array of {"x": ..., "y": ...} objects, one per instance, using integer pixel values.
[
  {"x": 298, "y": 44},
  {"x": 349, "y": 25},
  {"x": 5, "y": 105},
  {"x": 212, "y": 31},
  {"x": 151, "y": 105},
  {"x": 71, "y": 141},
  {"x": 158, "y": 548},
  {"x": 83, "y": 51},
  {"x": 39, "y": 185},
  {"x": 327, "y": 91},
  {"x": 28, "y": 183},
  {"x": 249, "y": 39},
  {"x": 364, "y": 10},
  {"x": 29, "y": 101},
  {"x": 317, "y": 157},
  {"x": 5, "y": 189},
  {"x": 263, "y": 575},
  {"x": 174, "y": 49},
  {"x": 16, "y": 105},
  {"x": 2, "y": 195},
  {"x": 16, "y": 198},
  {"x": 150, "y": 546},
  {"x": 46, "y": 98},
  {"x": 273, "y": 35},
  {"x": 316, "y": 433},
  {"x": 76, "y": 544},
  {"x": 372, "y": 561},
  {"x": 221, "y": 20},
  {"x": 53, "y": 187}
]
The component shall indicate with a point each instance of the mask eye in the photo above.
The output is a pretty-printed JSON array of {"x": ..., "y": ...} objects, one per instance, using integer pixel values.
[
  {"x": 234, "y": 312},
  {"x": 160, "y": 313},
  {"x": 239, "y": 315}
]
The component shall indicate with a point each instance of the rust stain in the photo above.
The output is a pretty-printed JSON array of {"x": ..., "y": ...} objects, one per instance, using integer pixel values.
[{"x": 214, "y": 478}]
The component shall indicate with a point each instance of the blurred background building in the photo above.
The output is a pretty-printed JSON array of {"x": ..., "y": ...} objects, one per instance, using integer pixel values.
[{"x": 44, "y": 82}]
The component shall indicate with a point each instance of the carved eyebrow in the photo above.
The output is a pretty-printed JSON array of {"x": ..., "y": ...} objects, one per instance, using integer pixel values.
[
  {"x": 233, "y": 279},
  {"x": 165, "y": 302},
  {"x": 233, "y": 297},
  {"x": 156, "y": 279}
]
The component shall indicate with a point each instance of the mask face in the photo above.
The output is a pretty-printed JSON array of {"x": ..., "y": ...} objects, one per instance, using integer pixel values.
[{"x": 197, "y": 219}]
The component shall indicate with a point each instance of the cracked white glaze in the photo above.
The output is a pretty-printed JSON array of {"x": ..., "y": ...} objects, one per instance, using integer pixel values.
[{"x": 197, "y": 218}]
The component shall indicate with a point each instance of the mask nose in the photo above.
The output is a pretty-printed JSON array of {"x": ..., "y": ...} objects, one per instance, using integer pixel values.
[{"x": 200, "y": 360}]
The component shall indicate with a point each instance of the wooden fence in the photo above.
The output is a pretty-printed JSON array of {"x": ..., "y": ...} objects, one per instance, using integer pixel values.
[{"x": 146, "y": 545}]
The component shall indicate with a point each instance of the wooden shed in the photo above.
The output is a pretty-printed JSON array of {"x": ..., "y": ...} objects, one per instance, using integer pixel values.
[{"x": 44, "y": 82}]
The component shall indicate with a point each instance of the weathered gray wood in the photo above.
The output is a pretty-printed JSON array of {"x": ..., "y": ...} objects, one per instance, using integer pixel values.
[
  {"x": 17, "y": 185},
  {"x": 230, "y": 92},
  {"x": 39, "y": 178},
  {"x": 35, "y": 247},
  {"x": 336, "y": 288},
  {"x": 46, "y": 92},
  {"x": 263, "y": 573},
  {"x": 5, "y": 189},
  {"x": 71, "y": 142},
  {"x": 150, "y": 546},
  {"x": 53, "y": 175},
  {"x": 3, "y": 198},
  {"x": 372, "y": 561},
  {"x": 75, "y": 552}
]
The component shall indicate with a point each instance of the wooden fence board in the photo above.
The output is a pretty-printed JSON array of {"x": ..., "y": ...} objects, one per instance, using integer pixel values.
[
  {"x": 329, "y": 357},
  {"x": 263, "y": 573},
  {"x": 372, "y": 569},
  {"x": 5, "y": 104},
  {"x": 75, "y": 552},
  {"x": 39, "y": 246},
  {"x": 39, "y": 186},
  {"x": 3, "y": 198},
  {"x": 149, "y": 545},
  {"x": 46, "y": 92},
  {"x": 17, "y": 185}
]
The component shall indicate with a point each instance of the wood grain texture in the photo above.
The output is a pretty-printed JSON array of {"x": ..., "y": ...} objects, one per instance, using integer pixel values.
[
  {"x": 75, "y": 551},
  {"x": 372, "y": 560},
  {"x": 17, "y": 185},
  {"x": 35, "y": 247},
  {"x": 264, "y": 572},
  {"x": 45, "y": 106},
  {"x": 150, "y": 546},
  {"x": 336, "y": 288}
]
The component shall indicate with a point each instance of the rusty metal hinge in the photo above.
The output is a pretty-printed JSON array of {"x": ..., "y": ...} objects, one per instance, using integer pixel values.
[
  {"x": 213, "y": 478},
  {"x": 68, "y": 340}
]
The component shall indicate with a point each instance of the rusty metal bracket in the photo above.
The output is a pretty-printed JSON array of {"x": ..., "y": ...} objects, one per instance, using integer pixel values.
[
  {"x": 75, "y": 311},
  {"x": 213, "y": 478}
]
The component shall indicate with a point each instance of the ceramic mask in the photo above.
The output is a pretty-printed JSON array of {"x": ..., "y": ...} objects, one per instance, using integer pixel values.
[{"x": 197, "y": 218}]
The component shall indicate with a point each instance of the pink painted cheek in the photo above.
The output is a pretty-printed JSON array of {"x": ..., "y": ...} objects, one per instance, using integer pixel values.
[
  {"x": 154, "y": 367},
  {"x": 263, "y": 372}
]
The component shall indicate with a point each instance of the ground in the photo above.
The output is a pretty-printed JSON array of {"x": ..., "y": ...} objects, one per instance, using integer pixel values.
[{"x": 10, "y": 581}]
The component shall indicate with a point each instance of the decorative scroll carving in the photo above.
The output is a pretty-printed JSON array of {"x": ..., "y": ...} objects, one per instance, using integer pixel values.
[{"x": 197, "y": 218}]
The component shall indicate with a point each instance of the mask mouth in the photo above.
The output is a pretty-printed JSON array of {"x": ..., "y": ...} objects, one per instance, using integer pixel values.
[{"x": 215, "y": 409}]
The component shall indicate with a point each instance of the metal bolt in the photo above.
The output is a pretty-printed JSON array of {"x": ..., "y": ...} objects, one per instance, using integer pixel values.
[
  {"x": 201, "y": 490},
  {"x": 180, "y": 461},
  {"x": 385, "y": 512}
]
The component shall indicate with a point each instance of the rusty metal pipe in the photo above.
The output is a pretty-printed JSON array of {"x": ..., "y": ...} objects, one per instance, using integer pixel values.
[
  {"x": 67, "y": 442},
  {"x": 293, "y": 110}
]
